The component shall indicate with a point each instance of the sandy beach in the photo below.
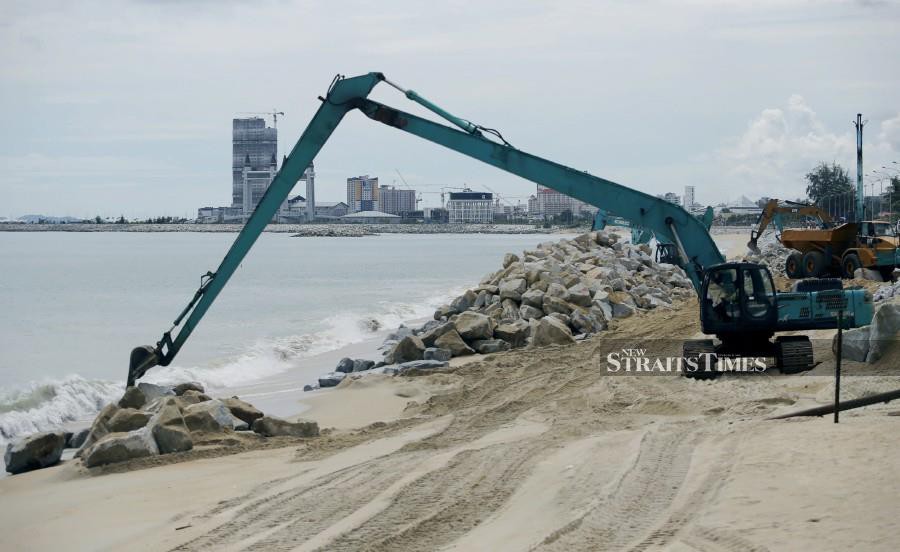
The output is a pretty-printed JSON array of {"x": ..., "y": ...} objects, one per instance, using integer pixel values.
[{"x": 527, "y": 449}]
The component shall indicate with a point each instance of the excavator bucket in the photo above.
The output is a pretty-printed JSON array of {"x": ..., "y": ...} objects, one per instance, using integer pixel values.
[
  {"x": 142, "y": 359},
  {"x": 752, "y": 245}
]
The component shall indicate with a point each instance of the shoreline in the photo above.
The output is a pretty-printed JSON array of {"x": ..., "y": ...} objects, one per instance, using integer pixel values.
[{"x": 300, "y": 230}]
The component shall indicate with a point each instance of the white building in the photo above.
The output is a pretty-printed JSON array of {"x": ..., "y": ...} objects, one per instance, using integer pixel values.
[
  {"x": 548, "y": 202},
  {"x": 470, "y": 207},
  {"x": 688, "y": 198}
]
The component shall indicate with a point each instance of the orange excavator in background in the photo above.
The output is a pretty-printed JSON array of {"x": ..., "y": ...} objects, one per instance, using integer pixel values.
[{"x": 829, "y": 249}]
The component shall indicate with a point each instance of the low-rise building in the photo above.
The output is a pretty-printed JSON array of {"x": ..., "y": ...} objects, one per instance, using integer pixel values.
[{"x": 468, "y": 207}]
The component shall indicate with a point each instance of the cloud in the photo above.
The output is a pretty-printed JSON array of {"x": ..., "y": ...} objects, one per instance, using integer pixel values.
[{"x": 782, "y": 144}]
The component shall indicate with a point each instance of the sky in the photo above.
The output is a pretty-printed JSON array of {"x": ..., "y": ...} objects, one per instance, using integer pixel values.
[{"x": 125, "y": 108}]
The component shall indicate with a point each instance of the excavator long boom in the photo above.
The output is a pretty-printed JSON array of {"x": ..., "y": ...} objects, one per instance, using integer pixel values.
[{"x": 669, "y": 222}]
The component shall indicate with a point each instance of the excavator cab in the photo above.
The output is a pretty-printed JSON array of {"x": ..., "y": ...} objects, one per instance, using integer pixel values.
[
  {"x": 737, "y": 298},
  {"x": 667, "y": 253}
]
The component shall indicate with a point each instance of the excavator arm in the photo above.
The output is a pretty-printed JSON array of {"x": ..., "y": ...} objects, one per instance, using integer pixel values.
[
  {"x": 670, "y": 223},
  {"x": 773, "y": 212}
]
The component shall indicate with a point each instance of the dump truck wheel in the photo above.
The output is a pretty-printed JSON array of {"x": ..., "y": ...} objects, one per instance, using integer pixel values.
[
  {"x": 793, "y": 266},
  {"x": 887, "y": 273},
  {"x": 693, "y": 349},
  {"x": 850, "y": 264},
  {"x": 813, "y": 264}
]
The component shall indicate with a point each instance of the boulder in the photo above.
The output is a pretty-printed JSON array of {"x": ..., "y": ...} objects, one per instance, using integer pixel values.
[
  {"x": 152, "y": 391},
  {"x": 602, "y": 309},
  {"x": 127, "y": 419},
  {"x": 421, "y": 365},
  {"x": 401, "y": 332},
  {"x": 509, "y": 310},
  {"x": 868, "y": 274},
  {"x": 239, "y": 424},
  {"x": 488, "y": 346},
  {"x": 192, "y": 396},
  {"x": 361, "y": 365},
  {"x": 854, "y": 345},
  {"x": 585, "y": 322},
  {"x": 118, "y": 447},
  {"x": 169, "y": 430},
  {"x": 512, "y": 289},
  {"x": 564, "y": 318},
  {"x": 464, "y": 301},
  {"x": 622, "y": 310},
  {"x": 472, "y": 326},
  {"x": 454, "y": 343},
  {"x": 509, "y": 259},
  {"x": 188, "y": 386},
  {"x": 443, "y": 312},
  {"x": 553, "y": 304},
  {"x": 133, "y": 398},
  {"x": 514, "y": 333},
  {"x": 557, "y": 290},
  {"x": 884, "y": 329},
  {"x": 243, "y": 410},
  {"x": 550, "y": 331},
  {"x": 77, "y": 439},
  {"x": 409, "y": 348},
  {"x": 534, "y": 298},
  {"x": 580, "y": 295},
  {"x": 435, "y": 353},
  {"x": 429, "y": 337},
  {"x": 208, "y": 416},
  {"x": 345, "y": 365},
  {"x": 270, "y": 426},
  {"x": 332, "y": 379},
  {"x": 98, "y": 427},
  {"x": 36, "y": 451},
  {"x": 527, "y": 312}
]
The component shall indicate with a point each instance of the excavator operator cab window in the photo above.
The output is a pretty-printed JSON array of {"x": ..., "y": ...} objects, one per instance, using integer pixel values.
[
  {"x": 759, "y": 293},
  {"x": 721, "y": 294},
  {"x": 882, "y": 229}
]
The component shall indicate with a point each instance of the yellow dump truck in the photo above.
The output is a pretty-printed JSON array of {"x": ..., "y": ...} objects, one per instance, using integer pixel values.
[{"x": 841, "y": 250}]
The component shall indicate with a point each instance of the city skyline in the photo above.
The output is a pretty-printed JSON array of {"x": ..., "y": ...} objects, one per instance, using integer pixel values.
[{"x": 723, "y": 96}]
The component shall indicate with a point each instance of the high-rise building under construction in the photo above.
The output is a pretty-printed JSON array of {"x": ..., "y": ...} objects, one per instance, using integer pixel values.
[{"x": 254, "y": 148}]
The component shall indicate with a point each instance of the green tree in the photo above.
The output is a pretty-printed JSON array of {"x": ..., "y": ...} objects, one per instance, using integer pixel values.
[{"x": 826, "y": 181}]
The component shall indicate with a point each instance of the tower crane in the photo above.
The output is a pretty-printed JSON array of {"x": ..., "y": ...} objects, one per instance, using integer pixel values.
[{"x": 274, "y": 113}]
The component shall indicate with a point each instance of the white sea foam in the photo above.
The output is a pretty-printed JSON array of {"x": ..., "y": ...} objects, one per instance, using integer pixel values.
[{"x": 46, "y": 405}]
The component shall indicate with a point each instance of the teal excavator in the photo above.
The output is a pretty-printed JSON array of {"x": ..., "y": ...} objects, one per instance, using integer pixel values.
[{"x": 738, "y": 302}]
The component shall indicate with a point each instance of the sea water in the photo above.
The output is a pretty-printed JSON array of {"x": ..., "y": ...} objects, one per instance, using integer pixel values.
[{"x": 73, "y": 305}]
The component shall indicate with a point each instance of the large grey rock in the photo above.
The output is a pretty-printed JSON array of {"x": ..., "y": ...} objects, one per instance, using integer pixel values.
[
  {"x": 191, "y": 396},
  {"x": 36, "y": 451},
  {"x": 512, "y": 289},
  {"x": 884, "y": 329},
  {"x": 410, "y": 348},
  {"x": 119, "y": 447},
  {"x": 421, "y": 365},
  {"x": 361, "y": 365},
  {"x": 534, "y": 298},
  {"x": 509, "y": 259},
  {"x": 527, "y": 312},
  {"x": 188, "y": 386},
  {"x": 464, "y": 301},
  {"x": 514, "y": 333},
  {"x": 270, "y": 426},
  {"x": 133, "y": 398},
  {"x": 585, "y": 322},
  {"x": 331, "y": 379},
  {"x": 488, "y": 346},
  {"x": 78, "y": 438},
  {"x": 454, "y": 343},
  {"x": 622, "y": 310},
  {"x": 435, "y": 353},
  {"x": 208, "y": 416},
  {"x": 557, "y": 290},
  {"x": 553, "y": 304},
  {"x": 169, "y": 430},
  {"x": 99, "y": 428},
  {"x": 509, "y": 310},
  {"x": 345, "y": 365},
  {"x": 243, "y": 410},
  {"x": 868, "y": 274},
  {"x": 854, "y": 345},
  {"x": 127, "y": 419},
  {"x": 429, "y": 337},
  {"x": 550, "y": 331},
  {"x": 580, "y": 295},
  {"x": 152, "y": 391},
  {"x": 602, "y": 309},
  {"x": 472, "y": 326}
]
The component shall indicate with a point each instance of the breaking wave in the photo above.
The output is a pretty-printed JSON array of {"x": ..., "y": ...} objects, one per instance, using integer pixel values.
[{"x": 46, "y": 405}]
